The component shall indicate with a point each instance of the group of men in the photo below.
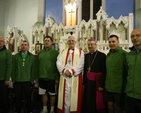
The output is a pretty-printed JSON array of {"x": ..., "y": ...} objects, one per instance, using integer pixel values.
[{"x": 86, "y": 82}]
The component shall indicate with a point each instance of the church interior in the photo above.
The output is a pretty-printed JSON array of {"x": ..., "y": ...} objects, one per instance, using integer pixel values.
[
  {"x": 34, "y": 19},
  {"x": 31, "y": 20}
]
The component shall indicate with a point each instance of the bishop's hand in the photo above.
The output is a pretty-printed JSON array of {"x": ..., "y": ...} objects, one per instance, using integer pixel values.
[{"x": 100, "y": 89}]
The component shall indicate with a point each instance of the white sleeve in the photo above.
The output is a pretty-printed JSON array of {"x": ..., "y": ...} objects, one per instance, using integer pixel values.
[
  {"x": 79, "y": 67},
  {"x": 59, "y": 64}
]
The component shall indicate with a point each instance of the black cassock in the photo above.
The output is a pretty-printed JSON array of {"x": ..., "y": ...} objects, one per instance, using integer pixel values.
[{"x": 96, "y": 62}]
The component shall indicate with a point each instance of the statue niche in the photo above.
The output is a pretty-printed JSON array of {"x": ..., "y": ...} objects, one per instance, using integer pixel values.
[{"x": 11, "y": 41}]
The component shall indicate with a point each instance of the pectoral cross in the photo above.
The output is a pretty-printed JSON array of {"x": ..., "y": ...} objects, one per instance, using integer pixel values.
[
  {"x": 71, "y": 12},
  {"x": 89, "y": 69}
]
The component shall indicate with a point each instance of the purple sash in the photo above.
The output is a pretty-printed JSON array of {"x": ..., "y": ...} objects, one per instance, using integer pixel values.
[
  {"x": 100, "y": 100},
  {"x": 99, "y": 94},
  {"x": 92, "y": 75}
]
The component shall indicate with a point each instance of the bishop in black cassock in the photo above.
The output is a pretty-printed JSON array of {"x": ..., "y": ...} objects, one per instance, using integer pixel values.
[{"x": 93, "y": 79}]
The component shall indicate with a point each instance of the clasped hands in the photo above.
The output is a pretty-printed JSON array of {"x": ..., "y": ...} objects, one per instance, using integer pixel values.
[{"x": 67, "y": 73}]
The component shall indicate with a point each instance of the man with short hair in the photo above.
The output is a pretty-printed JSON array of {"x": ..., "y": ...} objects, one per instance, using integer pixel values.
[
  {"x": 93, "y": 79},
  {"x": 133, "y": 61},
  {"x": 70, "y": 64},
  {"x": 5, "y": 72},
  {"x": 48, "y": 74},
  {"x": 23, "y": 75},
  {"x": 115, "y": 76}
]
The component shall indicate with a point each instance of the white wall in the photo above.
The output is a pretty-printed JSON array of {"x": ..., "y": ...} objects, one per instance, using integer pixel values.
[
  {"x": 2, "y": 16},
  {"x": 21, "y": 13}
]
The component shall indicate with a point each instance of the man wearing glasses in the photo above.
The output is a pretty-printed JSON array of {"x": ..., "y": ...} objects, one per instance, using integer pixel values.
[
  {"x": 133, "y": 59},
  {"x": 70, "y": 64}
]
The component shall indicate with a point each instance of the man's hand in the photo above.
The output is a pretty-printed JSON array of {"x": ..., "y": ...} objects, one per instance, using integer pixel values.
[
  {"x": 67, "y": 73},
  {"x": 37, "y": 81},
  {"x": 6, "y": 82},
  {"x": 56, "y": 81},
  {"x": 100, "y": 89}
]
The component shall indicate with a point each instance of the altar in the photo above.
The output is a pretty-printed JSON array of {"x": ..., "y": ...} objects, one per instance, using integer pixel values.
[{"x": 99, "y": 28}]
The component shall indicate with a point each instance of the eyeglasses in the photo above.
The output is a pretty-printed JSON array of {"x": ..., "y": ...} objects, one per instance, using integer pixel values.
[
  {"x": 71, "y": 40},
  {"x": 137, "y": 35}
]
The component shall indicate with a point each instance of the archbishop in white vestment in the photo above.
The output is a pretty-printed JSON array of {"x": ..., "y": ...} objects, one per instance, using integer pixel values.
[{"x": 70, "y": 63}]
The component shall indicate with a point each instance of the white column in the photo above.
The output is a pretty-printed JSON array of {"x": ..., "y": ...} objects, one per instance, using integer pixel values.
[
  {"x": 104, "y": 5},
  {"x": 137, "y": 4},
  {"x": 140, "y": 3},
  {"x": 131, "y": 26},
  {"x": 79, "y": 4},
  {"x": 30, "y": 41},
  {"x": 40, "y": 10},
  {"x": 63, "y": 11},
  {"x": 91, "y": 9}
]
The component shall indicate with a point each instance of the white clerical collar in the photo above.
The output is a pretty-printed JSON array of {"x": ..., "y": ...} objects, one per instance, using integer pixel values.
[
  {"x": 93, "y": 52},
  {"x": 70, "y": 51}
]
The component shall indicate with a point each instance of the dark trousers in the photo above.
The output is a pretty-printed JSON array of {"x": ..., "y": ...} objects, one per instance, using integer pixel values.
[
  {"x": 23, "y": 89},
  {"x": 3, "y": 97},
  {"x": 132, "y": 105}
]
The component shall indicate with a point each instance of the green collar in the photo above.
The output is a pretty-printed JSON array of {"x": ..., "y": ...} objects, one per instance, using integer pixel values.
[
  {"x": 24, "y": 56},
  {"x": 117, "y": 49}
]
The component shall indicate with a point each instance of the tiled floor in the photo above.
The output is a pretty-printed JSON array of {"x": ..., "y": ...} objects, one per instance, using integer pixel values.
[{"x": 34, "y": 111}]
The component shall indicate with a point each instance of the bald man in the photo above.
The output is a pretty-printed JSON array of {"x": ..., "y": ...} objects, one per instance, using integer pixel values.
[
  {"x": 5, "y": 72},
  {"x": 133, "y": 88}
]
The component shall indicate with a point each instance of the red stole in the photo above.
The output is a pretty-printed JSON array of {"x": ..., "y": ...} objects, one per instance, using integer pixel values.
[{"x": 63, "y": 83}]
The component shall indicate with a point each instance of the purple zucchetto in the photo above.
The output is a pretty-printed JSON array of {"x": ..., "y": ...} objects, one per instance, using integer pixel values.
[{"x": 92, "y": 39}]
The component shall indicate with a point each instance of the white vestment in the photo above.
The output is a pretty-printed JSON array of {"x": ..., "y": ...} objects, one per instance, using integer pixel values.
[{"x": 74, "y": 62}]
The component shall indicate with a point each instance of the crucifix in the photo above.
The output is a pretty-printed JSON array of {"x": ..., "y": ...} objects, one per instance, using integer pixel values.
[
  {"x": 71, "y": 12},
  {"x": 89, "y": 69}
]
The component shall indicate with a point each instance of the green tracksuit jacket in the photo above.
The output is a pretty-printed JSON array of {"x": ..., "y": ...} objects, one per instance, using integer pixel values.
[
  {"x": 133, "y": 88},
  {"x": 5, "y": 64},
  {"x": 23, "y": 71},
  {"x": 115, "y": 71},
  {"x": 47, "y": 69}
]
